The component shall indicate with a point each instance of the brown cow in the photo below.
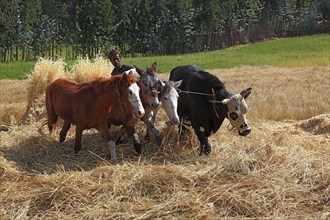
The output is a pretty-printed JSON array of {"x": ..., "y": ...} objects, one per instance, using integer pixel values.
[{"x": 88, "y": 105}]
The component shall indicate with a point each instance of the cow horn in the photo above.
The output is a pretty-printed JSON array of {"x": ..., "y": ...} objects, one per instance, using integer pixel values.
[
  {"x": 225, "y": 101},
  {"x": 245, "y": 93}
]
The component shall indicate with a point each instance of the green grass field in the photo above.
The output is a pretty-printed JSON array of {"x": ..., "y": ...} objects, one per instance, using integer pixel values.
[{"x": 305, "y": 51}]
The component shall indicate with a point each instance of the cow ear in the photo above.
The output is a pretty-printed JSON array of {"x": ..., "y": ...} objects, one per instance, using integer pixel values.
[
  {"x": 225, "y": 101},
  {"x": 161, "y": 83},
  {"x": 177, "y": 83},
  {"x": 245, "y": 93},
  {"x": 154, "y": 67},
  {"x": 125, "y": 75}
]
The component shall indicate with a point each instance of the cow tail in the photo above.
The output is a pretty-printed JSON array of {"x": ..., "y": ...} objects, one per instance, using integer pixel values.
[{"x": 51, "y": 113}]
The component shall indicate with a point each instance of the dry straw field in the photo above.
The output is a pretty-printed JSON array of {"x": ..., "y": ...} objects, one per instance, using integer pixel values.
[{"x": 280, "y": 171}]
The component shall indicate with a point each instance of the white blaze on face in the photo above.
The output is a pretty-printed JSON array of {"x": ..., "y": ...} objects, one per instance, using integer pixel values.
[
  {"x": 237, "y": 109},
  {"x": 134, "y": 98},
  {"x": 170, "y": 105}
]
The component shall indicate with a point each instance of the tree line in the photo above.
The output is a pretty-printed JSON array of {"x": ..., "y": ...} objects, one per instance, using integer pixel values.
[{"x": 72, "y": 28}]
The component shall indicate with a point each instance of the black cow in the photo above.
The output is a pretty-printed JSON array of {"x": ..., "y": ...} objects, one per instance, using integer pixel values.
[{"x": 204, "y": 103}]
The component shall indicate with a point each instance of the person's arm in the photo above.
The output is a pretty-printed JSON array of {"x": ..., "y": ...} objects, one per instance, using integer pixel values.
[
  {"x": 115, "y": 71},
  {"x": 125, "y": 67}
]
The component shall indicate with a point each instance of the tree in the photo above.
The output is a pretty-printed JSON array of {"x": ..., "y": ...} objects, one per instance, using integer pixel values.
[
  {"x": 141, "y": 36},
  {"x": 85, "y": 28},
  {"x": 121, "y": 30},
  {"x": 325, "y": 9},
  {"x": 8, "y": 27}
]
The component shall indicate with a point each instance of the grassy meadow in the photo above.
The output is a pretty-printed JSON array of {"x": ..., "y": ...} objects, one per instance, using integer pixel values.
[
  {"x": 279, "y": 171},
  {"x": 305, "y": 51}
]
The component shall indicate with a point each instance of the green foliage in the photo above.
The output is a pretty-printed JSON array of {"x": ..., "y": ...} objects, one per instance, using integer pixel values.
[
  {"x": 44, "y": 28},
  {"x": 325, "y": 9},
  {"x": 8, "y": 33}
]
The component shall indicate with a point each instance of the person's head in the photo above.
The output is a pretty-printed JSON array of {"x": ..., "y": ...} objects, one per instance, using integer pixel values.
[{"x": 114, "y": 57}]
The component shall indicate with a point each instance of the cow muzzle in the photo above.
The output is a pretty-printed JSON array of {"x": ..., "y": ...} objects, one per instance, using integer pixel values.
[
  {"x": 138, "y": 114},
  {"x": 138, "y": 110},
  {"x": 174, "y": 121},
  {"x": 244, "y": 129}
]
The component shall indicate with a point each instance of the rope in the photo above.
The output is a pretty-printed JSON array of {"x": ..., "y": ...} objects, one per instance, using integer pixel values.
[
  {"x": 204, "y": 94},
  {"x": 215, "y": 110},
  {"x": 230, "y": 127},
  {"x": 196, "y": 93}
]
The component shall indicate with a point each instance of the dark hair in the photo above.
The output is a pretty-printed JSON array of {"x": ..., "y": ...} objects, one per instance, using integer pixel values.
[{"x": 113, "y": 52}]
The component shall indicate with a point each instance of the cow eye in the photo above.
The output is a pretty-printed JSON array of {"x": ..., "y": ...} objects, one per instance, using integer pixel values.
[
  {"x": 165, "y": 98},
  {"x": 233, "y": 116},
  {"x": 130, "y": 92},
  {"x": 236, "y": 108}
]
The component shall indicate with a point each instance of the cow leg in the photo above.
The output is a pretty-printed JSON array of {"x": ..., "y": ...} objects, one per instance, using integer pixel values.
[
  {"x": 158, "y": 136},
  {"x": 77, "y": 142},
  {"x": 104, "y": 130},
  {"x": 130, "y": 130},
  {"x": 146, "y": 119},
  {"x": 205, "y": 146},
  {"x": 121, "y": 134},
  {"x": 64, "y": 130},
  {"x": 150, "y": 123},
  {"x": 147, "y": 137},
  {"x": 112, "y": 146},
  {"x": 137, "y": 143},
  {"x": 155, "y": 132}
]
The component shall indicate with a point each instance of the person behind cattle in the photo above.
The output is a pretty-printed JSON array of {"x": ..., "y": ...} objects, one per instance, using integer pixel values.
[{"x": 115, "y": 58}]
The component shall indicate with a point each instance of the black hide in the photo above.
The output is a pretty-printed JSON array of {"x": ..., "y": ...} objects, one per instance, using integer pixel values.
[{"x": 205, "y": 116}]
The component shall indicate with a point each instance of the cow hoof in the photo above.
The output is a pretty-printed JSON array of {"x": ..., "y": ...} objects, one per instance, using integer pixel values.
[
  {"x": 76, "y": 151},
  {"x": 137, "y": 143},
  {"x": 147, "y": 138},
  {"x": 207, "y": 149},
  {"x": 4, "y": 128},
  {"x": 159, "y": 140},
  {"x": 119, "y": 141},
  {"x": 137, "y": 147},
  {"x": 62, "y": 139}
]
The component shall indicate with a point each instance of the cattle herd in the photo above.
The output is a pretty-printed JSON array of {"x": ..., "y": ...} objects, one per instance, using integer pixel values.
[{"x": 191, "y": 97}]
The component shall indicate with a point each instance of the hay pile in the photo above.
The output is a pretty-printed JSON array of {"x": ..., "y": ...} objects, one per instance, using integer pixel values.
[
  {"x": 317, "y": 125},
  {"x": 13, "y": 100},
  {"x": 280, "y": 171},
  {"x": 86, "y": 70}
]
